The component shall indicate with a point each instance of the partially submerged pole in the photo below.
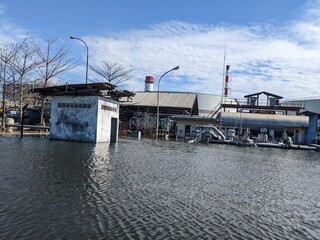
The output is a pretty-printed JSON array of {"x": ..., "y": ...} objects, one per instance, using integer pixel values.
[{"x": 22, "y": 120}]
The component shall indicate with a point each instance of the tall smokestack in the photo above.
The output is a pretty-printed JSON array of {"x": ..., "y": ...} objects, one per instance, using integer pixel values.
[
  {"x": 149, "y": 84},
  {"x": 226, "y": 87}
]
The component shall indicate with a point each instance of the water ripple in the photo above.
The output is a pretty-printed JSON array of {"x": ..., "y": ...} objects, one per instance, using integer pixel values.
[{"x": 156, "y": 190}]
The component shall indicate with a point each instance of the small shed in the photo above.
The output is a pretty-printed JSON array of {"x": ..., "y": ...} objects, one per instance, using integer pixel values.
[
  {"x": 272, "y": 99},
  {"x": 84, "y": 112}
]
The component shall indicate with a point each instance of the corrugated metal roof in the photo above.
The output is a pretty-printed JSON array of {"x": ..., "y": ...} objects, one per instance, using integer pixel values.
[
  {"x": 166, "y": 99},
  {"x": 198, "y": 103}
]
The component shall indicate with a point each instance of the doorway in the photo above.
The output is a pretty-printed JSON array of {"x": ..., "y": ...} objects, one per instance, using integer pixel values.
[{"x": 114, "y": 130}]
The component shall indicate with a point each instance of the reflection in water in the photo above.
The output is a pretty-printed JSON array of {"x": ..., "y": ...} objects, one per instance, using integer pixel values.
[{"x": 156, "y": 190}]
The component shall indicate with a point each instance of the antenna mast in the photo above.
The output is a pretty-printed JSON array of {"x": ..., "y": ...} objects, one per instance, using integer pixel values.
[{"x": 223, "y": 77}]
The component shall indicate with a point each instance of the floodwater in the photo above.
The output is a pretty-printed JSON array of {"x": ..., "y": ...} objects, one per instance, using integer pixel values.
[{"x": 147, "y": 189}]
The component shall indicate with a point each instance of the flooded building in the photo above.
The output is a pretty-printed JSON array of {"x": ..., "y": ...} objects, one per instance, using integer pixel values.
[{"x": 84, "y": 112}]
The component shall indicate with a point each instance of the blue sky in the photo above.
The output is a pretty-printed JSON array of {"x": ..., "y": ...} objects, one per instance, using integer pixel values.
[{"x": 272, "y": 45}]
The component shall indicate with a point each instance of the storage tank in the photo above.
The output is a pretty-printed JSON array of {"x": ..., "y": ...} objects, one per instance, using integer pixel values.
[
  {"x": 149, "y": 84},
  {"x": 256, "y": 121}
]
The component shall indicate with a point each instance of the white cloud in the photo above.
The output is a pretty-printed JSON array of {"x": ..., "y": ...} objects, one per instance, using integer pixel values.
[
  {"x": 283, "y": 60},
  {"x": 9, "y": 32}
]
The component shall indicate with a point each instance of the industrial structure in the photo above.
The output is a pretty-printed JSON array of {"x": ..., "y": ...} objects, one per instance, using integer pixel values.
[
  {"x": 263, "y": 113},
  {"x": 226, "y": 83},
  {"x": 93, "y": 113},
  {"x": 149, "y": 84},
  {"x": 143, "y": 107}
]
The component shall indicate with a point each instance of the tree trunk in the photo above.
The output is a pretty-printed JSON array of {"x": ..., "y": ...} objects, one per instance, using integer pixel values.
[
  {"x": 42, "y": 111},
  {"x": 20, "y": 101},
  {"x": 4, "y": 98}
]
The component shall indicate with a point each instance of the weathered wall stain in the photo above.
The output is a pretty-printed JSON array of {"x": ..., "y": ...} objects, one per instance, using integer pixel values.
[{"x": 74, "y": 124}]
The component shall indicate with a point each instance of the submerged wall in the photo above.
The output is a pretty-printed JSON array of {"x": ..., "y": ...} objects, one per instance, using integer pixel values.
[
  {"x": 82, "y": 118},
  {"x": 108, "y": 120}
]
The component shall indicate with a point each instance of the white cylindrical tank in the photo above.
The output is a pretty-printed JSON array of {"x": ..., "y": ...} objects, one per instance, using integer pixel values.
[
  {"x": 149, "y": 84},
  {"x": 256, "y": 121}
]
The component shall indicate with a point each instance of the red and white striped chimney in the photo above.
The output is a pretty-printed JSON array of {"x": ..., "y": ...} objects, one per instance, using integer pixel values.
[
  {"x": 149, "y": 84},
  {"x": 226, "y": 84}
]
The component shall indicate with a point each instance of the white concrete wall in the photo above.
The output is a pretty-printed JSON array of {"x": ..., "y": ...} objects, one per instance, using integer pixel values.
[
  {"x": 83, "y": 118},
  {"x": 107, "y": 109},
  {"x": 74, "y": 118}
]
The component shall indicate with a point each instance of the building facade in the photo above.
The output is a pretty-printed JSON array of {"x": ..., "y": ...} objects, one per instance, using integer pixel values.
[
  {"x": 84, "y": 112},
  {"x": 84, "y": 118}
]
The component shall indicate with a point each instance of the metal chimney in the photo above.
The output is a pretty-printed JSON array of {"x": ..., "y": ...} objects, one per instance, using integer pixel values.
[
  {"x": 149, "y": 84},
  {"x": 226, "y": 87}
]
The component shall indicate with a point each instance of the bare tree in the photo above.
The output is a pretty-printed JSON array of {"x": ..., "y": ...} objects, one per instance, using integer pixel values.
[
  {"x": 112, "y": 73},
  {"x": 146, "y": 122},
  {"x": 8, "y": 52},
  {"x": 11, "y": 85},
  {"x": 23, "y": 64},
  {"x": 55, "y": 60}
]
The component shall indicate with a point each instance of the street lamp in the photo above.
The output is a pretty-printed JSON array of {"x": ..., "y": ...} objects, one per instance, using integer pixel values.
[
  {"x": 87, "y": 55},
  {"x": 175, "y": 68}
]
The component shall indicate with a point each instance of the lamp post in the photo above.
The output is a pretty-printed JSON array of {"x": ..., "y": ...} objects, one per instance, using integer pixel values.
[
  {"x": 173, "y": 69},
  {"x": 71, "y": 37}
]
